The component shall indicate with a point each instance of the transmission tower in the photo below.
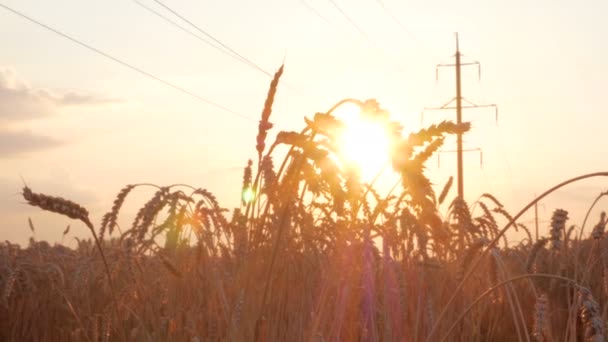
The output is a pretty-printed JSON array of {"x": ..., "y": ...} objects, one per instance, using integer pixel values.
[{"x": 457, "y": 104}]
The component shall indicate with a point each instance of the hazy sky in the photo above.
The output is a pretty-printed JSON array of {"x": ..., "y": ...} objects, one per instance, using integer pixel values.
[{"x": 75, "y": 124}]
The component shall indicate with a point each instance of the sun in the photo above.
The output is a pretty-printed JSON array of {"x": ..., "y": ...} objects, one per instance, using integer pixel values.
[{"x": 364, "y": 143}]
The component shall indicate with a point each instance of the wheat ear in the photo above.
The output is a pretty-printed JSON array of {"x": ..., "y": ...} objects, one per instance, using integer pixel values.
[{"x": 75, "y": 211}]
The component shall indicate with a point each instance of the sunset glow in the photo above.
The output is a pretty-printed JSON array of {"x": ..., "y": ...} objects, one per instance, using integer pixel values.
[
  {"x": 364, "y": 144},
  {"x": 297, "y": 170}
]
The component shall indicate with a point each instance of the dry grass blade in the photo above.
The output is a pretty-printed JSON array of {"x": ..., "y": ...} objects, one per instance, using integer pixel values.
[
  {"x": 31, "y": 224},
  {"x": 493, "y": 199}
]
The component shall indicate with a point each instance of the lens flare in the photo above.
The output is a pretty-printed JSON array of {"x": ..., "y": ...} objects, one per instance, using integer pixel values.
[{"x": 248, "y": 195}]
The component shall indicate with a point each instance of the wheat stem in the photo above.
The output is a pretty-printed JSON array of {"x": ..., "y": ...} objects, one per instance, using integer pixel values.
[
  {"x": 499, "y": 285},
  {"x": 494, "y": 241}
]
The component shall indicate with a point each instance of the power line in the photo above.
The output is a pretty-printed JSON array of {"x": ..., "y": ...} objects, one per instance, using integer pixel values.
[
  {"x": 366, "y": 36},
  {"x": 125, "y": 64},
  {"x": 316, "y": 12},
  {"x": 223, "y": 47},
  {"x": 170, "y": 21},
  {"x": 351, "y": 21},
  {"x": 210, "y": 36},
  {"x": 399, "y": 23},
  {"x": 395, "y": 19},
  {"x": 500, "y": 146}
]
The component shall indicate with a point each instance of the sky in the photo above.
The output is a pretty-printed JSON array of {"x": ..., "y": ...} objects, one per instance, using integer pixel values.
[{"x": 75, "y": 124}]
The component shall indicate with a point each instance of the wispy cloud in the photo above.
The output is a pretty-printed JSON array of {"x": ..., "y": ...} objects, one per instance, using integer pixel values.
[
  {"x": 14, "y": 143},
  {"x": 19, "y": 101},
  {"x": 74, "y": 99}
]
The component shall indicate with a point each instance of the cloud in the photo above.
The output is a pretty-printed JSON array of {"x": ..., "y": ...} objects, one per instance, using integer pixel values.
[
  {"x": 73, "y": 99},
  {"x": 14, "y": 143},
  {"x": 19, "y": 101}
]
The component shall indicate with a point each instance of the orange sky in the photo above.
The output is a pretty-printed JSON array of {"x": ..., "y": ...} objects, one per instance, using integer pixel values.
[{"x": 75, "y": 124}]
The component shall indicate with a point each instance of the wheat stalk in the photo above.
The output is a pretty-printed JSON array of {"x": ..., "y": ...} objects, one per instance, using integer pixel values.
[
  {"x": 109, "y": 220},
  {"x": 75, "y": 211},
  {"x": 541, "y": 313},
  {"x": 446, "y": 190},
  {"x": 589, "y": 312},
  {"x": 494, "y": 241},
  {"x": 265, "y": 125},
  {"x": 558, "y": 226},
  {"x": 531, "y": 261},
  {"x": 9, "y": 286},
  {"x": 598, "y": 230},
  {"x": 57, "y": 205}
]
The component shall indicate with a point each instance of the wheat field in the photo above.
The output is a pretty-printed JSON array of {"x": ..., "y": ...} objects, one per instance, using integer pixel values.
[{"x": 313, "y": 254}]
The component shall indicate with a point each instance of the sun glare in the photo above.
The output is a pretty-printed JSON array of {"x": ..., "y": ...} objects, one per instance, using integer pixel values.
[
  {"x": 248, "y": 195},
  {"x": 364, "y": 143}
]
